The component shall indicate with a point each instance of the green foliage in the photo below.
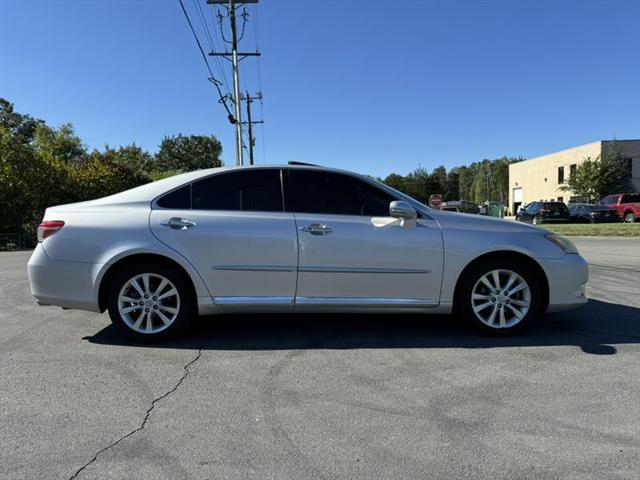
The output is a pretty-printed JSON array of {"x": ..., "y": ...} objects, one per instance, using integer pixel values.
[
  {"x": 41, "y": 166},
  {"x": 478, "y": 182},
  {"x": 186, "y": 153},
  {"x": 596, "y": 178},
  {"x": 130, "y": 157}
]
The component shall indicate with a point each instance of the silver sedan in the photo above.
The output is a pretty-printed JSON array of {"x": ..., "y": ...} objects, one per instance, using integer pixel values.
[{"x": 294, "y": 238}]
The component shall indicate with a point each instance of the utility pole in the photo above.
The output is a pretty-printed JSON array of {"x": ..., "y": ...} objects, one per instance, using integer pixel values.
[
  {"x": 235, "y": 58},
  {"x": 249, "y": 99}
]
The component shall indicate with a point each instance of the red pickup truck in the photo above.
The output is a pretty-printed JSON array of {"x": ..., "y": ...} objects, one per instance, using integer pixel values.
[{"x": 626, "y": 204}]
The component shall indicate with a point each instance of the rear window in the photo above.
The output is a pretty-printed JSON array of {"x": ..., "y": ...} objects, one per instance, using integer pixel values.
[
  {"x": 555, "y": 207},
  {"x": 179, "y": 199},
  {"x": 631, "y": 198}
]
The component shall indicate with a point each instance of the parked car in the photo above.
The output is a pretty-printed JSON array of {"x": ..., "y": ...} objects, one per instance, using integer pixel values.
[
  {"x": 462, "y": 206},
  {"x": 293, "y": 238},
  {"x": 626, "y": 204},
  {"x": 538, "y": 213},
  {"x": 586, "y": 213},
  {"x": 450, "y": 208}
]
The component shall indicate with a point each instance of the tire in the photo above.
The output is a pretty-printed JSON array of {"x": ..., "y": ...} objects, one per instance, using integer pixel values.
[
  {"x": 629, "y": 217},
  {"x": 158, "y": 317},
  {"x": 468, "y": 301},
  {"x": 536, "y": 221}
]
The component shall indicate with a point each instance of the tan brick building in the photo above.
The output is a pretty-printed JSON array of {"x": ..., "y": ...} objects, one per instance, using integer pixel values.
[{"x": 540, "y": 178}]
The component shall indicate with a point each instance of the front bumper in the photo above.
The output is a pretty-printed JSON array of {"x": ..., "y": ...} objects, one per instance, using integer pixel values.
[
  {"x": 567, "y": 277},
  {"x": 62, "y": 283}
]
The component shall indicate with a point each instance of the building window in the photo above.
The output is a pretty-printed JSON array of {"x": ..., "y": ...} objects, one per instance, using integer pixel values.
[
  {"x": 560, "y": 199},
  {"x": 572, "y": 170},
  {"x": 560, "y": 174}
]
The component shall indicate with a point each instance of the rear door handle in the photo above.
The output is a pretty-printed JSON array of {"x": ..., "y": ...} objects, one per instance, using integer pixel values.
[
  {"x": 178, "y": 223},
  {"x": 317, "y": 229}
]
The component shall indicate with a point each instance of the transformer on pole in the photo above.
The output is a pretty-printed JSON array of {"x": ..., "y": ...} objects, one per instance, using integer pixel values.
[{"x": 234, "y": 56}]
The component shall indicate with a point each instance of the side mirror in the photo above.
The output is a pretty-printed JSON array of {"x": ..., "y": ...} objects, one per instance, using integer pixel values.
[{"x": 400, "y": 209}]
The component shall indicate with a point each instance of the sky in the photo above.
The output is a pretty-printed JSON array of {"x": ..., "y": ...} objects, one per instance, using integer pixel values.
[{"x": 371, "y": 86}]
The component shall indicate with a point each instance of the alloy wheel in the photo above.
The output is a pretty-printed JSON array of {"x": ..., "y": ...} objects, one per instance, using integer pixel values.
[
  {"x": 148, "y": 303},
  {"x": 501, "y": 298}
]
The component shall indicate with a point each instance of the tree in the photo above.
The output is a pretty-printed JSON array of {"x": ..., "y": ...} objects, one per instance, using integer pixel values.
[
  {"x": 60, "y": 143},
  {"x": 185, "y": 153},
  {"x": 395, "y": 181},
  {"x": 130, "y": 157},
  {"x": 20, "y": 127},
  {"x": 585, "y": 180},
  {"x": 452, "y": 190},
  {"x": 596, "y": 178}
]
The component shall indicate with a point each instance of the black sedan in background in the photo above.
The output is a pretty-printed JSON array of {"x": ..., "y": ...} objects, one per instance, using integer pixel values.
[
  {"x": 587, "y": 213},
  {"x": 538, "y": 213}
]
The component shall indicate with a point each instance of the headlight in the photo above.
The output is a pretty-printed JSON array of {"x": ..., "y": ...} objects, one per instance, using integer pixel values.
[{"x": 564, "y": 243}]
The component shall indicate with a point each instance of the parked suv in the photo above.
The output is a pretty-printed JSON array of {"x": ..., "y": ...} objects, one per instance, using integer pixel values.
[
  {"x": 626, "y": 204},
  {"x": 537, "y": 213}
]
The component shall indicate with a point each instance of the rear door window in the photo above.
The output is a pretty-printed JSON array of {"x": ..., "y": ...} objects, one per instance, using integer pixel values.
[
  {"x": 246, "y": 190},
  {"x": 556, "y": 207},
  {"x": 179, "y": 199}
]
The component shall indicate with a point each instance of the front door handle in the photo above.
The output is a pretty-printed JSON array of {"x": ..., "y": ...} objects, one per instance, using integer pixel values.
[
  {"x": 178, "y": 223},
  {"x": 317, "y": 229}
]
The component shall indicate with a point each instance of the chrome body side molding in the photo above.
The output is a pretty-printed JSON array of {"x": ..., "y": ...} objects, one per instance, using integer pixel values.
[
  {"x": 256, "y": 268},
  {"x": 253, "y": 301},
  {"x": 363, "y": 302},
  {"x": 360, "y": 270}
]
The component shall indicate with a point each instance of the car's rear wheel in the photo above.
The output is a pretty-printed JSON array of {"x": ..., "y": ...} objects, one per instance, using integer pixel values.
[
  {"x": 150, "y": 302},
  {"x": 499, "y": 297},
  {"x": 629, "y": 217}
]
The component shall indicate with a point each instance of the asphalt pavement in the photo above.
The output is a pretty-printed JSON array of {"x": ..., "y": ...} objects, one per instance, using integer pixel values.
[{"x": 326, "y": 396}]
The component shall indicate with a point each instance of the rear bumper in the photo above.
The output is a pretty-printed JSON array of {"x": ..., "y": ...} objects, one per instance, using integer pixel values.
[
  {"x": 567, "y": 277},
  {"x": 62, "y": 283}
]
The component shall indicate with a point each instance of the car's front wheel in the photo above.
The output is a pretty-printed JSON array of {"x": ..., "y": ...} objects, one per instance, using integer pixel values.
[
  {"x": 150, "y": 302},
  {"x": 499, "y": 297}
]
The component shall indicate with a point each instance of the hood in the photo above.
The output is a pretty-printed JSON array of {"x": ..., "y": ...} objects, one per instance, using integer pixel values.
[{"x": 469, "y": 221}]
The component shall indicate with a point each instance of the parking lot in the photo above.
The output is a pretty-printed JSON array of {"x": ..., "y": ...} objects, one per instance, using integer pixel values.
[{"x": 326, "y": 396}]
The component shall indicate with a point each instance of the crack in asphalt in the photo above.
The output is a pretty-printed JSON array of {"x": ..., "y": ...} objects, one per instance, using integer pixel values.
[{"x": 143, "y": 424}]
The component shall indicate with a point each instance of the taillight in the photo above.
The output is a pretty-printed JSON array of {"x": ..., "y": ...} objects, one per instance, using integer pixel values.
[{"x": 48, "y": 228}]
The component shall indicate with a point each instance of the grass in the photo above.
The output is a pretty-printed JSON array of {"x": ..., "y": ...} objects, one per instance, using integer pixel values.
[{"x": 595, "y": 230}]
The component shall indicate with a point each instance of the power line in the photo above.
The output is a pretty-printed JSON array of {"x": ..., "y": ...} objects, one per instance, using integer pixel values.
[
  {"x": 256, "y": 37},
  {"x": 207, "y": 32},
  {"x": 235, "y": 57},
  {"x": 212, "y": 78}
]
